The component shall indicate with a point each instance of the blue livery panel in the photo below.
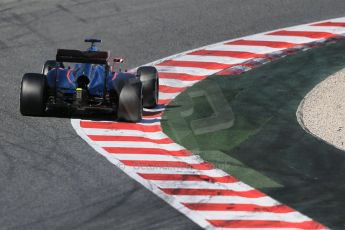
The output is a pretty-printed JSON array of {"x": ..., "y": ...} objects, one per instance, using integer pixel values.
[{"x": 67, "y": 79}]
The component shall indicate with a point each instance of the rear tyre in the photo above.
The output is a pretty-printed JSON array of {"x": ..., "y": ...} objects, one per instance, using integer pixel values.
[
  {"x": 33, "y": 94},
  {"x": 130, "y": 106},
  {"x": 50, "y": 64},
  {"x": 149, "y": 77}
]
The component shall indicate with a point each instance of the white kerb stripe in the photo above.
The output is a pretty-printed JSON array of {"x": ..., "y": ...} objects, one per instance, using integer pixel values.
[
  {"x": 132, "y": 133},
  {"x": 156, "y": 157},
  {"x": 279, "y": 38},
  {"x": 210, "y": 58},
  {"x": 139, "y": 146},
  {"x": 182, "y": 171},
  {"x": 167, "y": 95},
  {"x": 176, "y": 83},
  {"x": 335, "y": 20},
  {"x": 187, "y": 70},
  {"x": 262, "y": 201},
  {"x": 238, "y": 215},
  {"x": 242, "y": 48},
  {"x": 237, "y": 186},
  {"x": 327, "y": 29}
]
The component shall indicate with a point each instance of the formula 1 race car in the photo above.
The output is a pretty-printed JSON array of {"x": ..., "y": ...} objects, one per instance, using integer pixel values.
[{"x": 91, "y": 84}]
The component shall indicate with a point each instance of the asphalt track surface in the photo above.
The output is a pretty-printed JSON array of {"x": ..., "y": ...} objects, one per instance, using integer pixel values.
[{"x": 49, "y": 177}]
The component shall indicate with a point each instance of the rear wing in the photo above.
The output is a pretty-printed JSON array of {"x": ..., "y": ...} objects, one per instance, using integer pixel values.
[{"x": 77, "y": 56}]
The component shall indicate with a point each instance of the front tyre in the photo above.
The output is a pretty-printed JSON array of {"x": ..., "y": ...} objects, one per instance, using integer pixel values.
[
  {"x": 149, "y": 77},
  {"x": 130, "y": 107},
  {"x": 33, "y": 94}
]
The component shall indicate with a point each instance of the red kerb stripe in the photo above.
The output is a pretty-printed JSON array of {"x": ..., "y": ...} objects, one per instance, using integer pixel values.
[
  {"x": 264, "y": 224},
  {"x": 182, "y": 77},
  {"x": 170, "y": 89},
  {"x": 120, "y": 125},
  {"x": 212, "y": 192},
  {"x": 335, "y": 24},
  {"x": 186, "y": 177},
  {"x": 170, "y": 164},
  {"x": 224, "y": 53},
  {"x": 238, "y": 207},
  {"x": 196, "y": 64},
  {"x": 271, "y": 44},
  {"x": 129, "y": 138},
  {"x": 128, "y": 150},
  {"x": 308, "y": 34}
]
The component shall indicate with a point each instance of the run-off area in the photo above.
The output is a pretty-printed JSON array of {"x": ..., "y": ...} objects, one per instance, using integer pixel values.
[{"x": 246, "y": 125}]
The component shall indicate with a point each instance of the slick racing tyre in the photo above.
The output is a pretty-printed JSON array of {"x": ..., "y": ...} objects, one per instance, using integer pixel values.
[
  {"x": 130, "y": 106},
  {"x": 149, "y": 77},
  {"x": 33, "y": 94},
  {"x": 50, "y": 64}
]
